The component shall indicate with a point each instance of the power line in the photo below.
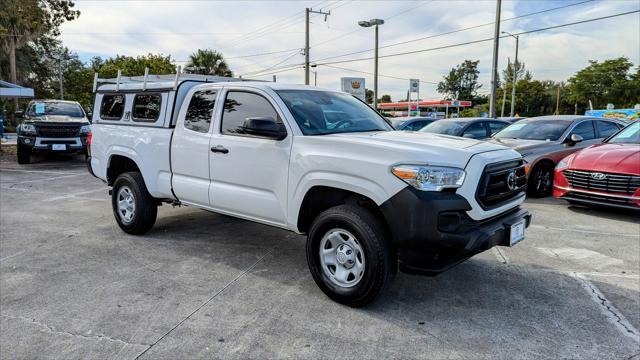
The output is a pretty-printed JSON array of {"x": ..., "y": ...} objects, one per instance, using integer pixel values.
[
  {"x": 360, "y": 29},
  {"x": 380, "y": 75},
  {"x": 457, "y": 30},
  {"x": 482, "y": 40}
]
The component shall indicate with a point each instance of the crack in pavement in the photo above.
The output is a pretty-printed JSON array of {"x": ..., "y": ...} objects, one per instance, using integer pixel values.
[
  {"x": 243, "y": 273},
  {"x": 53, "y": 330},
  {"x": 613, "y": 314}
]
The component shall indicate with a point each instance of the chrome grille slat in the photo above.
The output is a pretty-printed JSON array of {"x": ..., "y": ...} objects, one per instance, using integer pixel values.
[
  {"x": 493, "y": 189},
  {"x": 614, "y": 183}
]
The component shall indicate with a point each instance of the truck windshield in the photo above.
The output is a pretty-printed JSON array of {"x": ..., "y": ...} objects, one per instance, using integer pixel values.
[
  {"x": 55, "y": 108},
  {"x": 535, "y": 130},
  {"x": 327, "y": 112},
  {"x": 630, "y": 135}
]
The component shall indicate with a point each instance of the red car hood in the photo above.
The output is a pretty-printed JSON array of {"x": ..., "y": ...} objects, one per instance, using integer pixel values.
[{"x": 613, "y": 158}]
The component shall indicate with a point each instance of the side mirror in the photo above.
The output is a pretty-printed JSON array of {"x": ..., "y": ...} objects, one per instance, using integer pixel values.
[
  {"x": 266, "y": 127},
  {"x": 89, "y": 116},
  {"x": 19, "y": 114},
  {"x": 574, "y": 139}
]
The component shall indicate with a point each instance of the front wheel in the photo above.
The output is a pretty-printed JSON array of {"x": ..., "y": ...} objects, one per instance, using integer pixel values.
[
  {"x": 540, "y": 181},
  {"x": 134, "y": 208},
  {"x": 350, "y": 256},
  {"x": 24, "y": 154}
]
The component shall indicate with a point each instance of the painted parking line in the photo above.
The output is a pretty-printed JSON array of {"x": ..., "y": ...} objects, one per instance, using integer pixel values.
[
  {"x": 49, "y": 178},
  {"x": 582, "y": 231},
  {"x": 43, "y": 171}
]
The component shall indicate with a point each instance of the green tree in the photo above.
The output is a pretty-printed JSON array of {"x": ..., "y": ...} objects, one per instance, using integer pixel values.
[
  {"x": 385, "y": 99},
  {"x": 604, "y": 82},
  {"x": 521, "y": 71},
  {"x": 461, "y": 82},
  {"x": 134, "y": 66},
  {"x": 208, "y": 62},
  {"x": 368, "y": 95},
  {"x": 24, "y": 21}
]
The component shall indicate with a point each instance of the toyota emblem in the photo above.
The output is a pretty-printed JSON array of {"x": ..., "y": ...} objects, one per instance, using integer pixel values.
[
  {"x": 598, "y": 176},
  {"x": 511, "y": 181}
]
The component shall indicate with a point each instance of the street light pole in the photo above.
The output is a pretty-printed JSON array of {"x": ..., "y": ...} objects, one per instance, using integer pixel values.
[
  {"x": 376, "y": 23},
  {"x": 375, "y": 74},
  {"x": 494, "y": 65},
  {"x": 515, "y": 74}
]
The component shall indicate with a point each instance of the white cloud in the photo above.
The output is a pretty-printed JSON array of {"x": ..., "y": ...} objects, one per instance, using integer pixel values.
[{"x": 107, "y": 28}]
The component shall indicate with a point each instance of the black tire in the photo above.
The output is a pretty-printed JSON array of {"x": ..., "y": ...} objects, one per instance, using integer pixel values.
[
  {"x": 540, "y": 181},
  {"x": 380, "y": 259},
  {"x": 24, "y": 154},
  {"x": 144, "y": 205}
]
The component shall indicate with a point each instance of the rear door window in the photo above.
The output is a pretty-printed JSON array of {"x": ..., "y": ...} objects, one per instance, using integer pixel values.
[
  {"x": 606, "y": 128},
  {"x": 585, "y": 129},
  {"x": 476, "y": 131},
  {"x": 112, "y": 107},
  {"x": 200, "y": 111},
  {"x": 146, "y": 107}
]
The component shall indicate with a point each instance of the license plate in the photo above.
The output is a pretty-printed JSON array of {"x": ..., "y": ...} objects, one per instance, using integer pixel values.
[
  {"x": 58, "y": 147},
  {"x": 517, "y": 233}
]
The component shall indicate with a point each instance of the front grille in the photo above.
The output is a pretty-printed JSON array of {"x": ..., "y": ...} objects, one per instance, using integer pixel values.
[
  {"x": 494, "y": 190},
  {"x": 57, "y": 130},
  {"x": 604, "y": 199},
  {"x": 611, "y": 183}
]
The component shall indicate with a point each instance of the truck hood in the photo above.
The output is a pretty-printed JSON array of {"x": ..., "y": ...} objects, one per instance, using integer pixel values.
[
  {"x": 423, "y": 140},
  {"x": 612, "y": 158}
]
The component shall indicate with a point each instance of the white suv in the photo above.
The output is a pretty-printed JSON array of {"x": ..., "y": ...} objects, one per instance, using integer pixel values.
[{"x": 370, "y": 199}]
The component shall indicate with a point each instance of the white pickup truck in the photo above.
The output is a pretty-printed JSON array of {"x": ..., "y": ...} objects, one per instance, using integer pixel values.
[{"x": 313, "y": 161}]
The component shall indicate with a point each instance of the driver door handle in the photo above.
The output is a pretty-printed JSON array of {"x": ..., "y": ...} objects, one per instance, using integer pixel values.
[{"x": 220, "y": 149}]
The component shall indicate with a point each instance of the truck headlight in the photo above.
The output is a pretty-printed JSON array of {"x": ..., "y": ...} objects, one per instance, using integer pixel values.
[
  {"x": 27, "y": 129},
  {"x": 85, "y": 129},
  {"x": 429, "y": 178}
]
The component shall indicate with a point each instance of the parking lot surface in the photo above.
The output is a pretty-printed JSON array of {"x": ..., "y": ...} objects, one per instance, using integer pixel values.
[{"x": 202, "y": 285}]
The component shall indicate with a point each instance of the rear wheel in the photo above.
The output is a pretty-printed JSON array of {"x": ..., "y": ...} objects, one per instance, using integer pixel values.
[
  {"x": 540, "y": 181},
  {"x": 24, "y": 154},
  {"x": 349, "y": 255},
  {"x": 134, "y": 208}
]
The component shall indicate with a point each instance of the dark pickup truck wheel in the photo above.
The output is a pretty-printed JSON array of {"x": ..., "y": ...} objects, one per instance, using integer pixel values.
[
  {"x": 350, "y": 256},
  {"x": 134, "y": 208},
  {"x": 24, "y": 154}
]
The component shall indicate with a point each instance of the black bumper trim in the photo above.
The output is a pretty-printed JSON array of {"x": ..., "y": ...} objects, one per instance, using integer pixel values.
[{"x": 425, "y": 246}]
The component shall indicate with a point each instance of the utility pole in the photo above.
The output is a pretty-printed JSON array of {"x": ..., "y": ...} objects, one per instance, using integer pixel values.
[
  {"x": 308, "y": 11},
  {"x": 494, "y": 65}
]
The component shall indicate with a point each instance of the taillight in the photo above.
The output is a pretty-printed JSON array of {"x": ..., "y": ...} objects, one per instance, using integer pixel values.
[{"x": 89, "y": 138}]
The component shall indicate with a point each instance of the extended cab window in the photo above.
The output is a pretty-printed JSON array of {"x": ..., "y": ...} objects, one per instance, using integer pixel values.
[
  {"x": 146, "y": 107},
  {"x": 200, "y": 111},
  {"x": 112, "y": 107},
  {"x": 239, "y": 106}
]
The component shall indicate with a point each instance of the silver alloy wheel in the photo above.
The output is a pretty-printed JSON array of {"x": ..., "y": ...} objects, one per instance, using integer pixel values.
[
  {"x": 126, "y": 204},
  {"x": 342, "y": 258}
]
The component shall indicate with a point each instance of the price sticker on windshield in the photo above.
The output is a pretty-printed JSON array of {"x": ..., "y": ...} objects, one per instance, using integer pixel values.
[{"x": 39, "y": 108}]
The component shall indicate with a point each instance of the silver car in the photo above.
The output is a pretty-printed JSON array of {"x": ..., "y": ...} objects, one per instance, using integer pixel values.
[{"x": 545, "y": 140}]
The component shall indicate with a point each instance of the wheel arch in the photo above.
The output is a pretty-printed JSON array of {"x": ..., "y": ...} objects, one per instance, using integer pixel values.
[
  {"x": 319, "y": 198},
  {"x": 118, "y": 164}
]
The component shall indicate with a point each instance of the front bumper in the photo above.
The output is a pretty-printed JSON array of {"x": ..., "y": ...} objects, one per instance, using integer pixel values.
[
  {"x": 46, "y": 144},
  {"x": 433, "y": 233}
]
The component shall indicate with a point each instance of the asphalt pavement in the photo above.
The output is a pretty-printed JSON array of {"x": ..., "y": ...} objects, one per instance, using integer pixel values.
[{"x": 202, "y": 285}]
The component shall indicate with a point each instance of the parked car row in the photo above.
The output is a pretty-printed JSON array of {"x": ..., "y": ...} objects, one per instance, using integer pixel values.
[{"x": 545, "y": 141}]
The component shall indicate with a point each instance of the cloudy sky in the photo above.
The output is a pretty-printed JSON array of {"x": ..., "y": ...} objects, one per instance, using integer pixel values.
[{"x": 240, "y": 28}]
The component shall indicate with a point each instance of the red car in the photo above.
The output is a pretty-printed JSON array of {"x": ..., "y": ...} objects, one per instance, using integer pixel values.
[{"x": 604, "y": 174}]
